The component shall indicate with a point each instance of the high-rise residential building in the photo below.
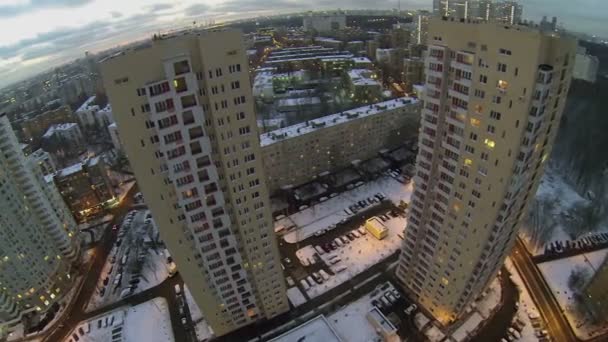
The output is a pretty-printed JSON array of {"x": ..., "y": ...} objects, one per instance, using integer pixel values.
[
  {"x": 508, "y": 11},
  {"x": 189, "y": 131},
  {"x": 493, "y": 101},
  {"x": 421, "y": 27},
  {"x": 585, "y": 66},
  {"x": 39, "y": 236}
]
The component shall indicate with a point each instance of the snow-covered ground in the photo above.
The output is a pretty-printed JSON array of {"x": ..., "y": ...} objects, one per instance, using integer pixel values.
[
  {"x": 351, "y": 322},
  {"x": 526, "y": 308},
  {"x": 149, "y": 321},
  {"x": 295, "y": 296},
  {"x": 484, "y": 308},
  {"x": 490, "y": 300},
  {"x": 555, "y": 200},
  {"x": 134, "y": 243},
  {"x": 324, "y": 214},
  {"x": 357, "y": 256},
  {"x": 557, "y": 274},
  {"x": 202, "y": 329}
]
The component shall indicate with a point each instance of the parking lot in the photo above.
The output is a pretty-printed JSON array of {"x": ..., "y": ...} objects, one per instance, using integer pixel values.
[
  {"x": 137, "y": 261},
  {"x": 334, "y": 256}
]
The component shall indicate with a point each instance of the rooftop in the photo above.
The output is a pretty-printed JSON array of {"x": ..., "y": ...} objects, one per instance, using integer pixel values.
[
  {"x": 70, "y": 170},
  {"x": 317, "y": 329},
  {"x": 333, "y": 119},
  {"x": 363, "y": 60},
  {"x": 88, "y": 104},
  {"x": 363, "y": 77},
  {"x": 59, "y": 127},
  {"x": 300, "y": 101}
]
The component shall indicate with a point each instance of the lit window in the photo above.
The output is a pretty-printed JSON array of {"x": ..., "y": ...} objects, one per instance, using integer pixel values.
[
  {"x": 468, "y": 162},
  {"x": 475, "y": 122},
  {"x": 503, "y": 85},
  {"x": 489, "y": 143}
]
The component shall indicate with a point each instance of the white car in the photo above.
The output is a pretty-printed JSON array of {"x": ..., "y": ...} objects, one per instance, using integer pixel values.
[
  {"x": 304, "y": 284},
  {"x": 410, "y": 309}
]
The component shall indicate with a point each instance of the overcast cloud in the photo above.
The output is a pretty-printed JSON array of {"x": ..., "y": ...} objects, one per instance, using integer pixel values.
[{"x": 38, "y": 34}]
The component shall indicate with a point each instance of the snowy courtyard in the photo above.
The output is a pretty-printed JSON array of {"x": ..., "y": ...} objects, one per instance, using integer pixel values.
[
  {"x": 355, "y": 257},
  {"x": 136, "y": 263},
  {"x": 558, "y": 273},
  {"x": 202, "y": 329},
  {"x": 149, "y": 321},
  {"x": 330, "y": 212}
]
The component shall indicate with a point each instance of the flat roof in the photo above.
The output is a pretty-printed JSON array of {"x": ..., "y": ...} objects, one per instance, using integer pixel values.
[
  {"x": 58, "y": 127},
  {"x": 382, "y": 321},
  {"x": 70, "y": 170},
  {"x": 363, "y": 77},
  {"x": 87, "y": 104},
  {"x": 333, "y": 119},
  {"x": 317, "y": 329}
]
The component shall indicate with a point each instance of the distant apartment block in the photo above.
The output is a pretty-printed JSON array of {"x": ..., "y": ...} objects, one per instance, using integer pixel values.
[
  {"x": 324, "y": 23},
  {"x": 39, "y": 236},
  {"x": 364, "y": 86},
  {"x": 585, "y": 66},
  {"x": 91, "y": 114},
  {"x": 297, "y": 154},
  {"x": 69, "y": 132},
  {"x": 413, "y": 71},
  {"x": 189, "y": 130},
  {"x": 85, "y": 187},
  {"x": 493, "y": 101}
]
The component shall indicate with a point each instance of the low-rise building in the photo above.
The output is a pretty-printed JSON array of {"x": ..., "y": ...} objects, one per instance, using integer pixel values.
[
  {"x": 362, "y": 63},
  {"x": 33, "y": 126},
  {"x": 296, "y": 154},
  {"x": 67, "y": 131},
  {"x": 364, "y": 85},
  {"x": 87, "y": 111},
  {"x": 85, "y": 187},
  {"x": 585, "y": 66}
]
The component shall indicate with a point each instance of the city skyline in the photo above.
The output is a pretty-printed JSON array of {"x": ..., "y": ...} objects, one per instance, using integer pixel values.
[{"x": 44, "y": 40}]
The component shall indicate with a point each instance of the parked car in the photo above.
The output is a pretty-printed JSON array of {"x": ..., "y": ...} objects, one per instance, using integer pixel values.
[
  {"x": 317, "y": 277},
  {"x": 324, "y": 274},
  {"x": 319, "y": 250},
  {"x": 287, "y": 262},
  {"x": 355, "y": 233},
  {"x": 350, "y": 236},
  {"x": 362, "y": 230},
  {"x": 304, "y": 284},
  {"x": 410, "y": 309},
  {"x": 344, "y": 240},
  {"x": 310, "y": 281}
]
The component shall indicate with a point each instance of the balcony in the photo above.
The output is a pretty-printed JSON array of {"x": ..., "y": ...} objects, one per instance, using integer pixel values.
[
  {"x": 434, "y": 73},
  {"x": 457, "y": 94}
]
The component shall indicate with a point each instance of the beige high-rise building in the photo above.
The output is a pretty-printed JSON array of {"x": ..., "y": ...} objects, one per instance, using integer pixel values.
[
  {"x": 493, "y": 101},
  {"x": 189, "y": 131}
]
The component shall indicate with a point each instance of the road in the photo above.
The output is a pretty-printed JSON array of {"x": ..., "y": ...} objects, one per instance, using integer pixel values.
[{"x": 541, "y": 294}]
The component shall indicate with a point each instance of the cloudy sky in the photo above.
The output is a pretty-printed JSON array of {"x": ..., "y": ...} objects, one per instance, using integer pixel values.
[{"x": 38, "y": 34}]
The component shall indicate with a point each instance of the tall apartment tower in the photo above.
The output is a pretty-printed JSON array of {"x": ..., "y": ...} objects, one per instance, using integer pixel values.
[
  {"x": 39, "y": 242},
  {"x": 492, "y": 106},
  {"x": 189, "y": 131}
]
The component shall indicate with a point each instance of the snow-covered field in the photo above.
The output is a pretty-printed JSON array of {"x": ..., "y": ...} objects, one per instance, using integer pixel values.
[
  {"x": 154, "y": 269},
  {"x": 555, "y": 200},
  {"x": 202, "y": 329},
  {"x": 322, "y": 215},
  {"x": 557, "y": 273},
  {"x": 359, "y": 255},
  {"x": 351, "y": 322},
  {"x": 149, "y": 321},
  {"x": 526, "y": 307},
  {"x": 295, "y": 296}
]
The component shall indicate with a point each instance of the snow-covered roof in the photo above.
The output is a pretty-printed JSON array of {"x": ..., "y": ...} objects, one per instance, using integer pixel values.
[
  {"x": 300, "y": 101},
  {"x": 361, "y": 60},
  {"x": 317, "y": 329},
  {"x": 363, "y": 77},
  {"x": 87, "y": 105},
  {"x": 106, "y": 109},
  {"x": 112, "y": 125},
  {"x": 70, "y": 170},
  {"x": 49, "y": 178},
  {"x": 327, "y": 40},
  {"x": 333, "y": 119},
  {"x": 57, "y": 128}
]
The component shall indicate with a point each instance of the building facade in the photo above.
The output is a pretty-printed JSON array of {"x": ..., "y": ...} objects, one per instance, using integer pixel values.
[
  {"x": 85, "y": 187},
  {"x": 70, "y": 132},
  {"x": 190, "y": 134},
  {"x": 493, "y": 101},
  {"x": 39, "y": 236},
  {"x": 297, "y": 154},
  {"x": 585, "y": 66},
  {"x": 44, "y": 161}
]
